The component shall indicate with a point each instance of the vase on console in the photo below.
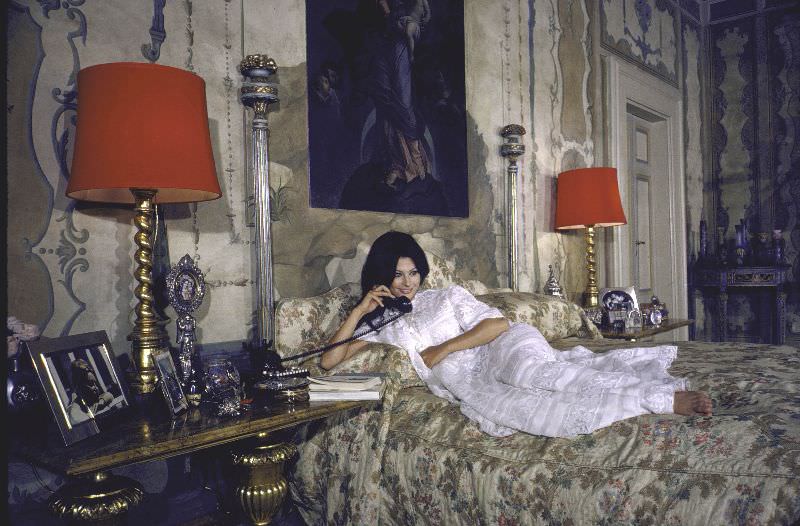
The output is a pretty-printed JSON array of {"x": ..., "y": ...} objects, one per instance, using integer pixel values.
[
  {"x": 778, "y": 247},
  {"x": 741, "y": 244}
]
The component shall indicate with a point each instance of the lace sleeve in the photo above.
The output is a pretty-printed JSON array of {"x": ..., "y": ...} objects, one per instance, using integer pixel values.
[{"x": 469, "y": 311}]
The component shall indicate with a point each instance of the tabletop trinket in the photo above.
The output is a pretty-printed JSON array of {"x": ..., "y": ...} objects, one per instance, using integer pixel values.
[
  {"x": 552, "y": 287},
  {"x": 186, "y": 287}
]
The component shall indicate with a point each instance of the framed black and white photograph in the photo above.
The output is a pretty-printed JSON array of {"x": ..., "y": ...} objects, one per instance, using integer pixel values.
[
  {"x": 170, "y": 385},
  {"x": 79, "y": 375},
  {"x": 619, "y": 299}
]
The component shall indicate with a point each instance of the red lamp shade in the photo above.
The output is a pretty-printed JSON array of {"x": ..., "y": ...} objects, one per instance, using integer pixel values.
[
  {"x": 142, "y": 126},
  {"x": 588, "y": 197}
]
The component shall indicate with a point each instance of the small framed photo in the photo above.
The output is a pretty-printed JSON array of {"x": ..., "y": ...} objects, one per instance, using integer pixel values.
[
  {"x": 168, "y": 378},
  {"x": 79, "y": 375},
  {"x": 616, "y": 299}
]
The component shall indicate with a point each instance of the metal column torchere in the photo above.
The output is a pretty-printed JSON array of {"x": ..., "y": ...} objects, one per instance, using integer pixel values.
[
  {"x": 512, "y": 149},
  {"x": 258, "y": 92}
]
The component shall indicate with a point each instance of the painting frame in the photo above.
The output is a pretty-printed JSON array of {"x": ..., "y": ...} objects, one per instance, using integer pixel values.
[
  {"x": 387, "y": 117},
  {"x": 80, "y": 377}
]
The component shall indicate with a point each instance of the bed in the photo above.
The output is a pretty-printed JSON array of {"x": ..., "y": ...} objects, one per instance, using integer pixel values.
[{"x": 414, "y": 459}]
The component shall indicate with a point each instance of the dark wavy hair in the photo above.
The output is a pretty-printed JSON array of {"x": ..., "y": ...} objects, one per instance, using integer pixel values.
[
  {"x": 381, "y": 263},
  {"x": 86, "y": 389}
]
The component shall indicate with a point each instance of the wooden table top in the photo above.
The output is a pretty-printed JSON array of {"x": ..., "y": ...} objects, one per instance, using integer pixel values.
[
  {"x": 135, "y": 438},
  {"x": 666, "y": 325}
]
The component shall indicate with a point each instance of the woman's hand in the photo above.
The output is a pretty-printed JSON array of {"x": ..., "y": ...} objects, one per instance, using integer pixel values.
[
  {"x": 484, "y": 332},
  {"x": 372, "y": 300},
  {"x": 433, "y": 355}
]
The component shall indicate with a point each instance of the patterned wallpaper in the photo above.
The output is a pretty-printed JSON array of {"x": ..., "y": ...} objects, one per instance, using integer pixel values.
[
  {"x": 783, "y": 52},
  {"x": 562, "y": 103},
  {"x": 694, "y": 136},
  {"x": 539, "y": 67},
  {"x": 646, "y": 31},
  {"x": 75, "y": 259},
  {"x": 755, "y": 116}
]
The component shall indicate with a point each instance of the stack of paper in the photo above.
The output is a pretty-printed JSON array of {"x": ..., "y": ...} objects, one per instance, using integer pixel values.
[{"x": 346, "y": 387}]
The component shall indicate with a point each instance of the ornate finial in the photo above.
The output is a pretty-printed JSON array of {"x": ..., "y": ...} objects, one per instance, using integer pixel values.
[
  {"x": 252, "y": 63},
  {"x": 512, "y": 129},
  {"x": 552, "y": 287},
  {"x": 257, "y": 91},
  {"x": 513, "y": 146}
]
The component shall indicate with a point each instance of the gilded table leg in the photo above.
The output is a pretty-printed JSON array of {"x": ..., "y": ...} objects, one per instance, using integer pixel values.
[
  {"x": 100, "y": 500},
  {"x": 261, "y": 484}
]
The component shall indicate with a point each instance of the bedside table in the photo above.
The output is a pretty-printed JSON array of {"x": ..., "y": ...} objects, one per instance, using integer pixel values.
[
  {"x": 95, "y": 495},
  {"x": 632, "y": 336}
]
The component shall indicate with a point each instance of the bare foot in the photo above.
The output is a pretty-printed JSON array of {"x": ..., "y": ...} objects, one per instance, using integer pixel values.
[{"x": 691, "y": 403}]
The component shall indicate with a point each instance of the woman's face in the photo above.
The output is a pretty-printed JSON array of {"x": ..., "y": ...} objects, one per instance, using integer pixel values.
[{"x": 406, "y": 279}]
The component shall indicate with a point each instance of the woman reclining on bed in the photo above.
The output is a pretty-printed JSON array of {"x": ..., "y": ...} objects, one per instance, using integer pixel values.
[{"x": 505, "y": 376}]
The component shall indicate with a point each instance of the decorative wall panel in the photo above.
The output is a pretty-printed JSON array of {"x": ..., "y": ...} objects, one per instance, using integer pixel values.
[
  {"x": 77, "y": 258},
  {"x": 645, "y": 31},
  {"x": 694, "y": 137},
  {"x": 783, "y": 52},
  {"x": 734, "y": 127},
  {"x": 562, "y": 129},
  {"x": 755, "y": 115}
]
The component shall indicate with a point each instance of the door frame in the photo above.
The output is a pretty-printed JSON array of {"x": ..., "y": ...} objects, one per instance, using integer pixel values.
[{"x": 628, "y": 85}]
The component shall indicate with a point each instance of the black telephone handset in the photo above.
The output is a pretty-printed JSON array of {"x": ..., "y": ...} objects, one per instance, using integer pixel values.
[
  {"x": 374, "y": 320},
  {"x": 400, "y": 305}
]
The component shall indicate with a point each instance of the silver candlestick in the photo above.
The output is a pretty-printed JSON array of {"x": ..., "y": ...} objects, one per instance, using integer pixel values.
[
  {"x": 512, "y": 149},
  {"x": 258, "y": 92}
]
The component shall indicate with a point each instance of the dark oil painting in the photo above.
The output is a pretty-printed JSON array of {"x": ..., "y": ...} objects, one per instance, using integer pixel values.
[{"x": 386, "y": 106}]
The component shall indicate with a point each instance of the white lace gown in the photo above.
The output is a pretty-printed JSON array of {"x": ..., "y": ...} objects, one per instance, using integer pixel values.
[{"x": 519, "y": 382}]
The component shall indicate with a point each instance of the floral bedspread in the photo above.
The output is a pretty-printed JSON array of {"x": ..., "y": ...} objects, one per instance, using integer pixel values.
[{"x": 414, "y": 459}]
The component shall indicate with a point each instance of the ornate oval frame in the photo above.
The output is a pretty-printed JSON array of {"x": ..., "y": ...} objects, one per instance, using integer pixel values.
[{"x": 185, "y": 274}]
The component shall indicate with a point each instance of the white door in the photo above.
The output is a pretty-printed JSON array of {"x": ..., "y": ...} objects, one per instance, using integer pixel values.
[
  {"x": 645, "y": 138},
  {"x": 649, "y": 214}
]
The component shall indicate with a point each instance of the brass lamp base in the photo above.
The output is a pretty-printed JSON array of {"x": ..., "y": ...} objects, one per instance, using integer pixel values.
[
  {"x": 592, "y": 292},
  {"x": 148, "y": 334}
]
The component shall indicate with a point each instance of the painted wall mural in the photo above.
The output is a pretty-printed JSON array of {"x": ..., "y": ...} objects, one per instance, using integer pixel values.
[
  {"x": 65, "y": 248},
  {"x": 754, "y": 149},
  {"x": 694, "y": 137},
  {"x": 783, "y": 52},
  {"x": 645, "y": 31},
  {"x": 562, "y": 130}
]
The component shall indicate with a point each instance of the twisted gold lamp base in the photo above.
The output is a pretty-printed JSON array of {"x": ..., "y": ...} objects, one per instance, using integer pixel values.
[
  {"x": 148, "y": 334},
  {"x": 592, "y": 292}
]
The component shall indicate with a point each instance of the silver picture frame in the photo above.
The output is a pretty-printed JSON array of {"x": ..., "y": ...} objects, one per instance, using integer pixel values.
[
  {"x": 80, "y": 378},
  {"x": 170, "y": 382},
  {"x": 619, "y": 298}
]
